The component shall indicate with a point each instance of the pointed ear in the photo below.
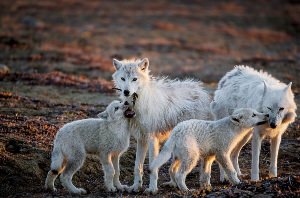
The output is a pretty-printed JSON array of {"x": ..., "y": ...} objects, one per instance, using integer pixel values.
[
  {"x": 288, "y": 88},
  {"x": 144, "y": 64},
  {"x": 117, "y": 64},
  {"x": 103, "y": 115},
  {"x": 265, "y": 88}
]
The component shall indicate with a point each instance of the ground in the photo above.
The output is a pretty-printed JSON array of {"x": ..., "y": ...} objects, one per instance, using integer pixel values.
[{"x": 56, "y": 66}]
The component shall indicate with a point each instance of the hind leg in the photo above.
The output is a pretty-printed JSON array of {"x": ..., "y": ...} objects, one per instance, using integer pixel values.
[
  {"x": 72, "y": 166},
  {"x": 172, "y": 171},
  {"x": 186, "y": 166},
  {"x": 109, "y": 172},
  {"x": 49, "y": 183}
]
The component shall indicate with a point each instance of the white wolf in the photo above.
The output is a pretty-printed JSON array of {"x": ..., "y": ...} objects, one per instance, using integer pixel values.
[
  {"x": 207, "y": 140},
  {"x": 108, "y": 137},
  {"x": 246, "y": 87},
  {"x": 160, "y": 105}
]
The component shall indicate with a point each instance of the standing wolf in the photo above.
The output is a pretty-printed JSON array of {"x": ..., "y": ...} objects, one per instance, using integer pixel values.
[
  {"x": 160, "y": 105},
  {"x": 244, "y": 87}
]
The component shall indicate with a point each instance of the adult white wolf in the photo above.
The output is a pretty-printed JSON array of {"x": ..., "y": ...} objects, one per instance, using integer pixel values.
[
  {"x": 245, "y": 87},
  {"x": 160, "y": 106}
]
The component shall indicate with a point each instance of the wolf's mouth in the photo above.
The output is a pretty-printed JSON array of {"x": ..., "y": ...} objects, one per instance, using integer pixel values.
[
  {"x": 261, "y": 123},
  {"x": 129, "y": 113}
]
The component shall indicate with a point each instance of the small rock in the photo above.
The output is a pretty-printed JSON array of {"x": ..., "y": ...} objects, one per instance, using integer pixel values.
[{"x": 4, "y": 69}]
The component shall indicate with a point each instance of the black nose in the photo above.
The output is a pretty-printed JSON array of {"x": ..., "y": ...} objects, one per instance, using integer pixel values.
[
  {"x": 267, "y": 115},
  {"x": 126, "y": 92},
  {"x": 273, "y": 125},
  {"x": 126, "y": 103}
]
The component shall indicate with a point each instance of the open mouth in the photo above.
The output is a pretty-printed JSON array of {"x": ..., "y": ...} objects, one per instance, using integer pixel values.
[
  {"x": 261, "y": 123},
  {"x": 129, "y": 113}
]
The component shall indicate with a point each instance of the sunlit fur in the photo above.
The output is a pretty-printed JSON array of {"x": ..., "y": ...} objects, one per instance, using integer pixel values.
[
  {"x": 107, "y": 137},
  {"x": 246, "y": 87},
  {"x": 161, "y": 104},
  {"x": 207, "y": 140}
]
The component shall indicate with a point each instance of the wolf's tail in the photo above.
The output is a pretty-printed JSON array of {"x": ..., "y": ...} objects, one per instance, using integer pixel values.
[
  {"x": 56, "y": 167},
  {"x": 165, "y": 154}
]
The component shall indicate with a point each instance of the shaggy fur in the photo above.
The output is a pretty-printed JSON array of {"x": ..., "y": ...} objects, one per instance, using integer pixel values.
[
  {"x": 208, "y": 140},
  {"x": 108, "y": 137},
  {"x": 160, "y": 106},
  {"x": 246, "y": 87}
]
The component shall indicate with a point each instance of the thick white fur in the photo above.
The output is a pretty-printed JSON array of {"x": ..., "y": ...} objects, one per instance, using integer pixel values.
[
  {"x": 208, "y": 140},
  {"x": 108, "y": 137},
  {"x": 160, "y": 106},
  {"x": 246, "y": 87}
]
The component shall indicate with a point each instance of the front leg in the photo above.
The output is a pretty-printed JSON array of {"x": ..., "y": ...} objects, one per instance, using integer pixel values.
[
  {"x": 153, "y": 153},
  {"x": 116, "y": 180},
  {"x": 141, "y": 150},
  {"x": 225, "y": 161},
  {"x": 275, "y": 143},
  {"x": 256, "y": 145},
  {"x": 109, "y": 171}
]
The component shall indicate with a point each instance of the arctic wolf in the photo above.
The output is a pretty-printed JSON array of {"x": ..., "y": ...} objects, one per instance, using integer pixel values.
[
  {"x": 208, "y": 140},
  {"x": 246, "y": 87},
  {"x": 160, "y": 104},
  {"x": 108, "y": 137}
]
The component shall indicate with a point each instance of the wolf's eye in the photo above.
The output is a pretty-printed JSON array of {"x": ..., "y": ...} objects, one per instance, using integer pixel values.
[
  {"x": 281, "y": 109},
  {"x": 116, "y": 108},
  {"x": 122, "y": 78},
  {"x": 269, "y": 108},
  {"x": 253, "y": 115},
  {"x": 134, "y": 79}
]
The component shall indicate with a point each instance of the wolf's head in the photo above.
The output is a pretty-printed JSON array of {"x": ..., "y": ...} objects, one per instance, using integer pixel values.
[
  {"x": 130, "y": 75},
  {"x": 116, "y": 110},
  {"x": 248, "y": 118},
  {"x": 277, "y": 102}
]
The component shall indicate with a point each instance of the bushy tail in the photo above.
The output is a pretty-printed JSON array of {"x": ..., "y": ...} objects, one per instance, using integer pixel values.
[
  {"x": 164, "y": 155},
  {"x": 56, "y": 167}
]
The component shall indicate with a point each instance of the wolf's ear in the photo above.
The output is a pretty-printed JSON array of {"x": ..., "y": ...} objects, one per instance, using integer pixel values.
[
  {"x": 144, "y": 64},
  {"x": 266, "y": 86},
  {"x": 117, "y": 64},
  {"x": 103, "y": 115},
  {"x": 288, "y": 88}
]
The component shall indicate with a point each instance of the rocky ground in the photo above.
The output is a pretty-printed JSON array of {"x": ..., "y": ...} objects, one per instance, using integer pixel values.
[{"x": 55, "y": 67}]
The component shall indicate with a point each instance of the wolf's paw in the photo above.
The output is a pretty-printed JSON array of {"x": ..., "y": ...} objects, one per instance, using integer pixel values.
[
  {"x": 205, "y": 185},
  {"x": 79, "y": 191},
  {"x": 170, "y": 184},
  {"x": 134, "y": 188},
  {"x": 150, "y": 191},
  {"x": 122, "y": 188},
  {"x": 111, "y": 189}
]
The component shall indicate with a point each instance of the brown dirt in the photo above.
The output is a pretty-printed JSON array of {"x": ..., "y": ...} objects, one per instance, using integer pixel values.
[{"x": 55, "y": 67}]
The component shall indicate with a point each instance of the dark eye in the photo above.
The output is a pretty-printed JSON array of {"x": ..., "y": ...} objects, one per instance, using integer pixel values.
[
  {"x": 123, "y": 79},
  {"x": 253, "y": 115},
  {"x": 134, "y": 79},
  {"x": 116, "y": 108},
  {"x": 269, "y": 108},
  {"x": 281, "y": 109}
]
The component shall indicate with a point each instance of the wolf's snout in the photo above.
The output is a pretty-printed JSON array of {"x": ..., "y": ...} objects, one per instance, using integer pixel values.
[
  {"x": 266, "y": 115},
  {"x": 126, "y": 103},
  {"x": 126, "y": 92},
  {"x": 273, "y": 125}
]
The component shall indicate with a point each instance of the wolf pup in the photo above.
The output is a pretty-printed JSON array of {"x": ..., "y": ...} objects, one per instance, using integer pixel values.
[
  {"x": 160, "y": 104},
  {"x": 207, "y": 140},
  {"x": 246, "y": 87},
  {"x": 108, "y": 137}
]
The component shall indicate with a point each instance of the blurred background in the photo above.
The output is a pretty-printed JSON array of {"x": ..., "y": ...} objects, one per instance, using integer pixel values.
[{"x": 56, "y": 66}]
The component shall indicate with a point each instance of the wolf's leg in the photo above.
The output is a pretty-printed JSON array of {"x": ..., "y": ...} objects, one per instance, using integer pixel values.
[
  {"x": 72, "y": 166},
  {"x": 205, "y": 173},
  {"x": 225, "y": 161},
  {"x": 256, "y": 145},
  {"x": 141, "y": 150},
  {"x": 153, "y": 153},
  {"x": 186, "y": 166},
  {"x": 236, "y": 152},
  {"x": 109, "y": 172},
  {"x": 49, "y": 183},
  {"x": 116, "y": 180},
  {"x": 275, "y": 143},
  {"x": 172, "y": 171}
]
